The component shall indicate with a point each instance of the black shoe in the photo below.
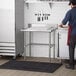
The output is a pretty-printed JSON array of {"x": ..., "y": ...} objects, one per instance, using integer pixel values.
[{"x": 70, "y": 67}]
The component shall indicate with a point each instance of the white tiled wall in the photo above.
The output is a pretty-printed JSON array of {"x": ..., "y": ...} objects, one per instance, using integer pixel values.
[{"x": 57, "y": 12}]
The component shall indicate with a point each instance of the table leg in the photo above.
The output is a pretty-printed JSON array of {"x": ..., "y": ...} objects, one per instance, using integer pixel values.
[
  {"x": 25, "y": 48},
  {"x": 30, "y": 44},
  {"x": 54, "y": 44},
  {"x": 50, "y": 46}
]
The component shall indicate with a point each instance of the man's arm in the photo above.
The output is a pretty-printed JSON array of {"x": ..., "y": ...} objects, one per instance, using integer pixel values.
[{"x": 65, "y": 20}]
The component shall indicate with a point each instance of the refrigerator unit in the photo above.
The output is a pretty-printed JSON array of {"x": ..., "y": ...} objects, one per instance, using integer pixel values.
[{"x": 11, "y": 22}]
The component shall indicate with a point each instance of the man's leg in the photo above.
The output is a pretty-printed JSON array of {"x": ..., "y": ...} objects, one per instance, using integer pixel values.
[{"x": 71, "y": 53}]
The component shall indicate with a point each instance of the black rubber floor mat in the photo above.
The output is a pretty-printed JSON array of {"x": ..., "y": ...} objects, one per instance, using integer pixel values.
[{"x": 31, "y": 66}]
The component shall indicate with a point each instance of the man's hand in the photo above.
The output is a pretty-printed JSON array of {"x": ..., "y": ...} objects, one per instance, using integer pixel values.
[{"x": 61, "y": 25}]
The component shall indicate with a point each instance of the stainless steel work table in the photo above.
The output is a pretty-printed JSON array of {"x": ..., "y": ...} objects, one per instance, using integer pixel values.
[{"x": 41, "y": 29}]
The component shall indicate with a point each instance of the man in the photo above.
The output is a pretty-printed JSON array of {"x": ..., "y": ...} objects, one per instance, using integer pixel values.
[{"x": 70, "y": 17}]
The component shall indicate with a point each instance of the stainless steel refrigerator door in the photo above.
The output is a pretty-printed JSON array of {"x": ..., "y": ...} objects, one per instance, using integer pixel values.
[{"x": 7, "y": 27}]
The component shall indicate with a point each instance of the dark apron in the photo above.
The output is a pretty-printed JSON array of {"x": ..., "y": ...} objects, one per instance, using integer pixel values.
[{"x": 69, "y": 34}]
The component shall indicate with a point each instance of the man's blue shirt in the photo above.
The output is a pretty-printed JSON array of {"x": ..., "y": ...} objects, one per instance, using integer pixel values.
[{"x": 70, "y": 17}]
